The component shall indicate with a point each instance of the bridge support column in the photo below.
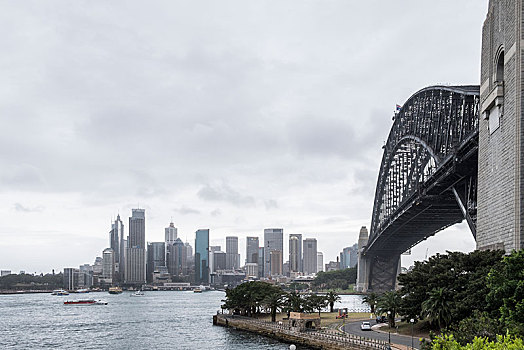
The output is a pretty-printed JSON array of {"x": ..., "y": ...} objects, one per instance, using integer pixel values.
[{"x": 383, "y": 272}]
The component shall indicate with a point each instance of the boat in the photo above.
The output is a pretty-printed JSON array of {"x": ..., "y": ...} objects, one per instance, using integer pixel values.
[
  {"x": 138, "y": 293},
  {"x": 115, "y": 290},
  {"x": 197, "y": 290},
  {"x": 82, "y": 291},
  {"x": 85, "y": 302},
  {"x": 60, "y": 292}
]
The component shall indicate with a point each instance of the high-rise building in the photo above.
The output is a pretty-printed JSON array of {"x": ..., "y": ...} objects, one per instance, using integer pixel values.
[
  {"x": 71, "y": 278},
  {"x": 276, "y": 263},
  {"x": 261, "y": 261},
  {"x": 310, "y": 256},
  {"x": 135, "y": 271},
  {"x": 252, "y": 250},
  {"x": 171, "y": 234},
  {"x": 295, "y": 252},
  {"x": 202, "y": 256},
  {"x": 116, "y": 242},
  {"x": 273, "y": 241},
  {"x": 156, "y": 256},
  {"x": 348, "y": 257},
  {"x": 320, "y": 262},
  {"x": 251, "y": 270},
  {"x": 232, "y": 256},
  {"x": 177, "y": 258},
  {"x": 219, "y": 260},
  {"x": 108, "y": 265}
]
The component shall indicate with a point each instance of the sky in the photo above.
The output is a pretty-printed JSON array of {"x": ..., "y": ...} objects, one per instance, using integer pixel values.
[{"x": 230, "y": 115}]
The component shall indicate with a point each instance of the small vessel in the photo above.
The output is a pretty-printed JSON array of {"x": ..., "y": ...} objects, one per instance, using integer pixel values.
[
  {"x": 85, "y": 302},
  {"x": 138, "y": 293},
  {"x": 60, "y": 292},
  {"x": 115, "y": 290},
  {"x": 82, "y": 291},
  {"x": 197, "y": 290}
]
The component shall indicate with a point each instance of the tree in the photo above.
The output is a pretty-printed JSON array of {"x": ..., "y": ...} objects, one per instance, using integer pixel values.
[
  {"x": 448, "y": 342},
  {"x": 462, "y": 275},
  {"x": 332, "y": 298},
  {"x": 294, "y": 302},
  {"x": 389, "y": 303},
  {"x": 371, "y": 300},
  {"x": 274, "y": 301},
  {"x": 248, "y": 298},
  {"x": 506, "y": 292},
  {"x": 479, "y": 325},
  {"x": 438, "y": 307},
  {"x": 335, "y": 279},
  {"x": 316, "y": 302}
]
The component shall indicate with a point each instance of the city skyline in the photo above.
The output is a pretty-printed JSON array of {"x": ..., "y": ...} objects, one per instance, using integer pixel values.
[{"x": 279, "y": 124}]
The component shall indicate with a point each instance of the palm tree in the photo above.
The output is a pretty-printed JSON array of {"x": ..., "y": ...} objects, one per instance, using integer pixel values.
[
  {"x": 437, "y": 307},
  {"x": 389, "y": 303},
  {"x": 274, "y": 301},
  {"x": 294, "y": 302},
  {"x": 371, "y": 300},
  {"x": 332, "y": 298},
  {"x": 316, "y": 302}
]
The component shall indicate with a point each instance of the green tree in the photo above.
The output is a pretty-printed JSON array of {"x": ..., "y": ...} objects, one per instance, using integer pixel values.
[
  {"x": 462, "y": 275},
  {"x": 248, "y": 298},
  {"x": 479, "y": 325},
  {"x": 294, "y": 302},
  {"x": 332, "y": 298},
  {"x": 274, "y": 301},
  {"x": 448, "y": 342},
  {"x": 389, "y": 304},
  {"x": 506, "y": 292},
  {"x": 437, "y": 307},
  {"x": 335, "y": 279},
  {"x": 371, "y": 300},
  {"x": 316, "y": 302}
]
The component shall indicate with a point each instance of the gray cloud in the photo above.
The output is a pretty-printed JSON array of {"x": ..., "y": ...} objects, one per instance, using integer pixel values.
[
  {"x": 186, "y": 210},
  {"x": 19, "y": 207},
  {"x": 225, "y": 193}
]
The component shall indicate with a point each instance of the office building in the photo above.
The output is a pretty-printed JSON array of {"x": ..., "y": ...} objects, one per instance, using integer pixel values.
[
  {"x": 202, "y": 256},
  {"x": 232, "y": 256},
  {"x": 252, "y": 250},
  {"x": 273, "y": 241},
  {"x": 177, "y": 258},
  {"x": 310, "y": 256},
  {"x": 219, "y": 260},
  {"x": 320, "y": 262},
  {"x": 156, "y": 256},
  {"x": 171, "y": 234},
  {"x": 295, "y": 252},
  {"x": 261, "y": 261},
  {"x": 349, "y": 257},
  {"x": 108, "y": 266},
  {"x": 71, "y": 278},
  {"x": 276, "y": 263},
  {"x": 135, "y": 270},
  {"x": 116, "y": 242},
  {"x": 251, "y": 270}
]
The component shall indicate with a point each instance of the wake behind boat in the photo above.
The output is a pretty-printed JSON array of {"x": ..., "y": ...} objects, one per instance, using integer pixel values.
[
  {"x": 138, "y": 293},
  {"x": 85, "y": 302}
]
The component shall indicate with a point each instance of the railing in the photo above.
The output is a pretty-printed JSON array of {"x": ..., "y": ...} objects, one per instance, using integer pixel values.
[{"x": 344, "y": 340}]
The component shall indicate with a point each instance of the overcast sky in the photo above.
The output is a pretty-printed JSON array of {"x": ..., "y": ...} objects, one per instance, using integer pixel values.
[{"x": 230, "y": 115}]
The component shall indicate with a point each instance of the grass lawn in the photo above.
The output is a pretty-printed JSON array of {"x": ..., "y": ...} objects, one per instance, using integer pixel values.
[{"x": 326, "y": 318}]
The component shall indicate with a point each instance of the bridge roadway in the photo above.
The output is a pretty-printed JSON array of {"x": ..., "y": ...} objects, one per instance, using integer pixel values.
[{"x": 354, "y": 328}]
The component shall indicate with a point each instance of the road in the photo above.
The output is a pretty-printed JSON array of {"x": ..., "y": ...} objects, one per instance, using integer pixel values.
[{"x": 354, "y": 328}]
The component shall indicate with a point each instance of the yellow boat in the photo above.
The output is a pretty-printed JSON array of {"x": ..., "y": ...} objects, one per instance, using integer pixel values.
[{"x": 115, "y": 290}]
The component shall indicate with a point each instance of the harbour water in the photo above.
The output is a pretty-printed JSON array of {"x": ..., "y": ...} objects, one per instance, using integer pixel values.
[{"x": 158, "y": 320}]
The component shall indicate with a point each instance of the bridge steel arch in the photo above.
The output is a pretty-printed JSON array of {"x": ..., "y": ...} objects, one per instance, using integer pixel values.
[{"x": 427, "y": 179}]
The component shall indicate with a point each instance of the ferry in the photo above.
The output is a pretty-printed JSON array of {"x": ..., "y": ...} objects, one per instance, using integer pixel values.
[
  {"x": 60, "y": 292},
  {"x": 138, "y": 293},
  {"x": 197, "y": 290},
  {"x": 85, "y": 302},
  {"x": 115, "y": 290}
]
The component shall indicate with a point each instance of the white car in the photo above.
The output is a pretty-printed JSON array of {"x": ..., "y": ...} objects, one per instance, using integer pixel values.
[{"x": 365, "y": 326}]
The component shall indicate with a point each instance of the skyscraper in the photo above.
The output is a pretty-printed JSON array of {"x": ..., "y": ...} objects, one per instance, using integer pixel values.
[
  {"x": 135, "y": 271},
  {"x": 232, "y": 256},
  {"x": 276, "y": 262},
  {"x": 310, "y": 256},
  {"x": 108, "y": 265},
  {"x": 295, "y": 252},
  {"x": 273, "y": 241},
  {"x": 171, "y": 234},
  {"x": 202, "y": 256},
  {"x": 116, "y": 242},
  {"x": 252, "y": 250},
  {"x": 261, "y": 261},
  {"x": 156, "y": 256},
  {"x": 320, "y": 262},
  {"x": 177, "y": 258}
]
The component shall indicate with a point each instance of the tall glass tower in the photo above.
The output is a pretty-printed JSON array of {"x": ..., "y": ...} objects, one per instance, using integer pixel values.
[
  {"x": 202, "y": 256},
  {"x": 135, "y": 271}
]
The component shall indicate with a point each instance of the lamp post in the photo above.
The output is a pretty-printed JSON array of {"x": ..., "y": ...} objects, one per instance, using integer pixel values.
[
  {"x": 412, "y": 322},
  {"x": 389, "y": 329}
]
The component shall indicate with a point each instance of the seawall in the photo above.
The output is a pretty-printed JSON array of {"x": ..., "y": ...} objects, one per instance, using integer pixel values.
[{"x": 329, "y": 340}]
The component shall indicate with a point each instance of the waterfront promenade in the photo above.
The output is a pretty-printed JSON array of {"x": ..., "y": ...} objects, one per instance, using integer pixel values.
[{"x": 323, "y": 339}]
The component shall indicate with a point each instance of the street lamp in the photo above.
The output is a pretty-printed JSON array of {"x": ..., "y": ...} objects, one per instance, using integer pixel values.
[
  {"x": 412, "y": 322},
  {"x": 389, "y": 329}
]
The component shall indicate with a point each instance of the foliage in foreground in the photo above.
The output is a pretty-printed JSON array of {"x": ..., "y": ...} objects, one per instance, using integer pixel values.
[{"x": 448, "y": 342}]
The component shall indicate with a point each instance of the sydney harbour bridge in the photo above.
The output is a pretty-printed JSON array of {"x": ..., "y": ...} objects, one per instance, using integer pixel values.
[{"x": 428, "y": 176}]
